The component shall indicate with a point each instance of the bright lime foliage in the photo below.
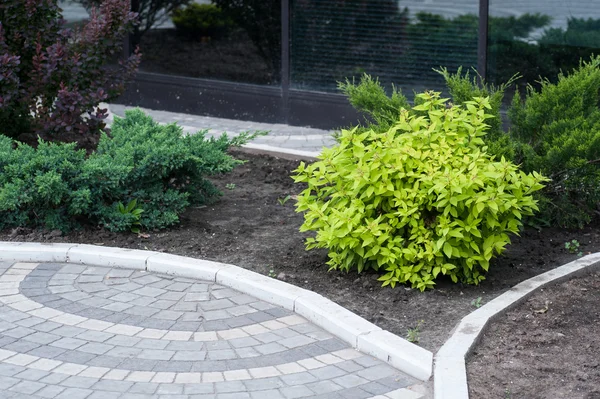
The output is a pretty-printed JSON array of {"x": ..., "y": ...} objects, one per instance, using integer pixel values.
[{"x": 416, "y": 201}]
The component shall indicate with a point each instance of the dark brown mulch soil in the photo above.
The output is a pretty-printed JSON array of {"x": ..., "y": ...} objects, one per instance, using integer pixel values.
[
  {"x": 248, "y": 227},
  {"x": 547, "y": 347}
]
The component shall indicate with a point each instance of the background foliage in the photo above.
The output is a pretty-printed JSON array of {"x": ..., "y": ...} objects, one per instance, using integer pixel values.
[{"x": 52, "y": 79}]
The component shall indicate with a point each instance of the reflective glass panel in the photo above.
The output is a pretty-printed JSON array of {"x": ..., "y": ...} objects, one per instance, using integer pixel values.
[
  {"x": 232, "y": 40},
  {"x": 400, "y": 42},
  {"x": 540, "y": 38}
]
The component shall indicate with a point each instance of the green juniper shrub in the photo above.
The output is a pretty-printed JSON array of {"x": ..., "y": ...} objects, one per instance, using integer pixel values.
[
  {"x": 463, "y": 88},
  {"x": 154, "y": 169},
  {"x": 557, "y": 130},
  {"x": 369, "y": 97},
  {"x": 166, "y": 170},
  {"x": 420, "y": 200},
  {"x": 40, "y": 187},
  {"x": 201, "y": 20}
]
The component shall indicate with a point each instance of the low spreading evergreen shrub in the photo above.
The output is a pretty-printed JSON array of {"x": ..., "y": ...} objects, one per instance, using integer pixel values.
[
  {"x": 144, "y": 174},
  {"x": 419, "y": 200}
]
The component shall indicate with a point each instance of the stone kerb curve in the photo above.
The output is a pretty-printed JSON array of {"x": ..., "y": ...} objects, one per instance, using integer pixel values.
[
  {"x": 358, "y": 332},
  {"x": 450, "y": 375}
]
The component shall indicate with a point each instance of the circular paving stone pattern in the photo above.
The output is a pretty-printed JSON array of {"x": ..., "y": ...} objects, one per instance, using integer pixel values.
[{"x": 73, "y": 331}]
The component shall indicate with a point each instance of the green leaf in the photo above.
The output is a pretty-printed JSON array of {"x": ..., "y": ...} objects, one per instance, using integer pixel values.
[{"x": 448, "y": 249}]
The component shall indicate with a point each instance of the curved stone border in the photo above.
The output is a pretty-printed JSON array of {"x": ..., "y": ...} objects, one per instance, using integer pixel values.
[
  {"x": 358, "y": 332},
  {"x": 450, "y": 373}
]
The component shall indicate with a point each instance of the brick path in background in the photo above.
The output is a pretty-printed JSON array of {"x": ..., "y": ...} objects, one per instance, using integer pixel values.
[
  {"x": 72, "y": 332},
  {"x": 280, "y": 136}
]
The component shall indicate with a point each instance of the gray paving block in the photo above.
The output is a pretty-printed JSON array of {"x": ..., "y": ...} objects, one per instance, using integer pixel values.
[
  {"x": 375, "y": 388},
  {"x": 243, "y": 342},
  {"x": 156, "y": 324},
  {"x": 229, "y": 386},
  {"x": 31, "y": 374},
  {"x": 54, "y": 378},
  {"x": 74, "y": 393},
  {"x": 267, "y": 349},
  {"x": 7, "y": 382},
  {"x": 75, "y": 357},
  {"x": 104, "y": 361},
  {"x": 123, "y": 352},
  {"x": 95, "y": 348},
  {"x": 27, "y": 387},
  {"x": 156, "y": 354},
  {"x": 96, "y": 336},
  {"x": 169, "y": 389},
  {"x": 377, "y": 372},
  {"x": 190, "y": 355},
  {"x": 187, "y": 325},
  {"x": 296, "y": 392},
  {"x": 223, "y": 354},
  {"x": 68, "y": 331},
  {"x": 246, "y": 352},
  {"x": 237, "y": 395},
  {"x": 262, "y": 384},
  {"x": 173, "y": 366},
  {"x": 350, "y": 380},
  {"x": 21, "y": 346},
  {"x": 113, "y": 385},
  {"x": 19, "y": 332},
  {"x": 267, "y": 394},
  {"x": 324, "y": 387},
  {"x": 79, "y": 382},
  {"x": 50, "y": 391},
  {"x": 123, "y": 340},
  {"x": 350, "y": 366},
  {"x": 105, "y": 395},
  {"x": 147, "y": 388},
  {"x": 138, "y": 364},
  {"x": 199, "y": 389},
  {"x": 303, "y": 378},
  {"x": 327, "y": 372},
  {"x": 354, "y": 393},
  {"x": 47, "y": 326}
]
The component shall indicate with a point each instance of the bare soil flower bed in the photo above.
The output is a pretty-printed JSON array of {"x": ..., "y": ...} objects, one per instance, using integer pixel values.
[
  {"x": 252, "y": 226},
  {"x": 548, "y": 347}
]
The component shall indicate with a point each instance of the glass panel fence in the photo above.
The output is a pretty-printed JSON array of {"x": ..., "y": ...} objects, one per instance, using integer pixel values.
[
  {"x": 401, "y": 42},
  {"x": 232, "y": 40},
  {"x": 540, "y": 38}
]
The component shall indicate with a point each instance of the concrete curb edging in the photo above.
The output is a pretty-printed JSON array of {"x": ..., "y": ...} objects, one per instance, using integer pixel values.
[
  {"x": 358, "y": 332},
  {"x": 450, "y": 373}
]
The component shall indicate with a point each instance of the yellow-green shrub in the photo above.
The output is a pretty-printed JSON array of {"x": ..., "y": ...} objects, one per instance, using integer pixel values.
[{"x": 419, "y": 200}]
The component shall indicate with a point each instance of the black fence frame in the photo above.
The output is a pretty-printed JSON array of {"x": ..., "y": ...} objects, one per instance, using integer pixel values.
[{"x": 274, "y": 104}]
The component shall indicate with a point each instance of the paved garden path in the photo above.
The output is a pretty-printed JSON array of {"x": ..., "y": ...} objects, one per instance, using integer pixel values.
[
  {"x": 71, "y": 332},
  {"x": 280, "y": 137}
]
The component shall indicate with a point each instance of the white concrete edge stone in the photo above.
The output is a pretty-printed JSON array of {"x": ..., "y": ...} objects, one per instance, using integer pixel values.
[
  {"x": 358, "y": 332},
  {"x": 281, "y": 150},
  {"x": 399, "y": 352},
  {"x": 450, "y": 373}
]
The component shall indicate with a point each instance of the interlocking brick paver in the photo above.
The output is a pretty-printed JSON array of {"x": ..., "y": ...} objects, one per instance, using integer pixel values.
[{"x": 86, "y": 332}]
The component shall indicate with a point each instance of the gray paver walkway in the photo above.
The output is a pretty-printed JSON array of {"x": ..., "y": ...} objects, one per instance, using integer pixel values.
[
  {"x": 280, "y": 136},
  {"x": 72, "y": 331}
]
